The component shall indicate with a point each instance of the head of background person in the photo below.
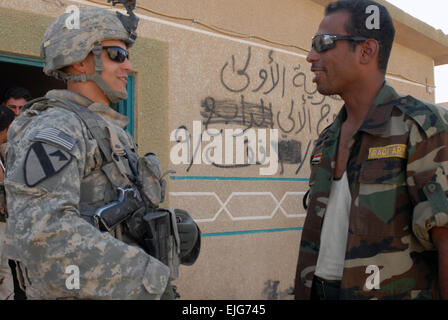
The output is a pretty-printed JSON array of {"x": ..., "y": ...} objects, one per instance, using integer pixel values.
[
  {"x": 15, "y": 98},
  {"x": 92, "y": 59},
  {"x": 342, "y": 64},
  {"x": 6, "y": 118}
]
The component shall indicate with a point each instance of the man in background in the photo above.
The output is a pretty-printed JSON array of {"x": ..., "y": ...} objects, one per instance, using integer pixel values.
[
  {"x": 6, "y": 279},
  {"x": 15, "y": 98}
]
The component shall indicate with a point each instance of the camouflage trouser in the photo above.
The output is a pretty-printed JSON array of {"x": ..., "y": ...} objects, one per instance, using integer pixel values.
[{"x": 6, "y": 281}]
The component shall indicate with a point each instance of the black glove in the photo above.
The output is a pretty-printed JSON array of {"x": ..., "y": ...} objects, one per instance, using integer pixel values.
[{"x": 190, "y": 237}]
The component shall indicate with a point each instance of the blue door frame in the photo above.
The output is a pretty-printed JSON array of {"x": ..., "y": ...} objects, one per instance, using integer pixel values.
[{"x": 125, "y": 107}]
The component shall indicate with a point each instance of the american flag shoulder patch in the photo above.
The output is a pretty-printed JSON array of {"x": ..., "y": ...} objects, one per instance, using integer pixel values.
[{"x": 56, "y": 137}]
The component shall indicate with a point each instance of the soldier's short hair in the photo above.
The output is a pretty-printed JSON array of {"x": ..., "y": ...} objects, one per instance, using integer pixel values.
[{"x": 357, "y": 26}]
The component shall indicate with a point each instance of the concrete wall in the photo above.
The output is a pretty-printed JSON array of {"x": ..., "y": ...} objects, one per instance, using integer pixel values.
[{"x": 189, "y": 79}]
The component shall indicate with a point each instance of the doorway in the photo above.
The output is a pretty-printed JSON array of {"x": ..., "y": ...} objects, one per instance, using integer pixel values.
[{"x": 27, "y": 72}]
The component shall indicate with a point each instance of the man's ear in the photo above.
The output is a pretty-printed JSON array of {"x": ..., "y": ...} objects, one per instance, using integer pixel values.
[
  {"x": 84, "y": 66},
  {"x": 369, "y": 51}
]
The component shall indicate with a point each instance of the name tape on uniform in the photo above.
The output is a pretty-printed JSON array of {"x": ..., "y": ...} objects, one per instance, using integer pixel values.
[{"x": 390, "y": 151}]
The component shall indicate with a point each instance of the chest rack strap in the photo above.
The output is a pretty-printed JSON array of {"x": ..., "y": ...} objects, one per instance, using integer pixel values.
[
  {"x": 118, "y": 152},
  {"x": 107, "y": 140}
]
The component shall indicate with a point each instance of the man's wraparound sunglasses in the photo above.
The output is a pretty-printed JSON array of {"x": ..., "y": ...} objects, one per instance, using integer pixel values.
[
  {"x": 322, "y": 42},
  {"x": 117, "y": 54}
]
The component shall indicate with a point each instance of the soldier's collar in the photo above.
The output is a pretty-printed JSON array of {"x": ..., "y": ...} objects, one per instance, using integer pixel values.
[
  {"x": 69, "y": 95},
  {"x": 110, "y": 114},
  {"x": 380, "y": 112},
  {"x": 102, "y": 109}
]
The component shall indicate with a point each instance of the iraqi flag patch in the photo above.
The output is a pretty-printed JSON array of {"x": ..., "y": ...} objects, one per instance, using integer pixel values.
[{"x": 316, "y": 158}]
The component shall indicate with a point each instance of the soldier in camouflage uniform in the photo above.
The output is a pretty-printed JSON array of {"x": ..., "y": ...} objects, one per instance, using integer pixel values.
[
  {"x": 6, "y": 279},
  {"x": 382, "y": 233},
  {"x": 58, "y": 174}
]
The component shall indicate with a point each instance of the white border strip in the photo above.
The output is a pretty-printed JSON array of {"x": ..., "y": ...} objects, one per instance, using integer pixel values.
[
  {"x": 405, "y": 81},
  {"x": 246, "y": 218}
]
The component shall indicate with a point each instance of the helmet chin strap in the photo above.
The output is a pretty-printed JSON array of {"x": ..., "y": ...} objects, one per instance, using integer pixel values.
[{"x": 112, "y": 95}]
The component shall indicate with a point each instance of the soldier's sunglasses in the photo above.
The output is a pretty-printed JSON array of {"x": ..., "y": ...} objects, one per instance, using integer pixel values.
[
  {"x": 117, "y": 54},
  {"x": 323, "y": 42}
]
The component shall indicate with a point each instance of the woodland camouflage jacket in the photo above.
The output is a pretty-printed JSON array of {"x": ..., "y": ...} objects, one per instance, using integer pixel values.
[{"x": 397, "y": 172}]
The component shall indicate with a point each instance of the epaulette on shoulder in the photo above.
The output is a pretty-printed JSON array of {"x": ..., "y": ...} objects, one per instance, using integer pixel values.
[
  {"x": 325, "y": 131},
  {"x": 35, "y": 103},
  {"x": 44, "y": 103},
  {"x": 324, "y": 134},
  {"x": 432, "y": 119}
]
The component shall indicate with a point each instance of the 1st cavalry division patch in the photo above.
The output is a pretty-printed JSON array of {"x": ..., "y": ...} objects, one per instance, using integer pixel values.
[
  {"x": 47, "y": 155},
  {"x": 43, "y": 161}
]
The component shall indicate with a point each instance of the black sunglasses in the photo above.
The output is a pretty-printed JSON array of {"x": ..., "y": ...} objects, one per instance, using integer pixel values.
[
  {"x": 322, "y": 42},
  {"x": 117, "y": 54}
]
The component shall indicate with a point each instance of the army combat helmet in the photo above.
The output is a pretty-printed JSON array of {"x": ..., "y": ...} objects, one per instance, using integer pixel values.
[{"x": 64, "y": 45}]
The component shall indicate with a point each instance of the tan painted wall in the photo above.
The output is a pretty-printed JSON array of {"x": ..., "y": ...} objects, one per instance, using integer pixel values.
[
  {"x": 444, "y": 105},
  {"x": 186, "y": 73}
]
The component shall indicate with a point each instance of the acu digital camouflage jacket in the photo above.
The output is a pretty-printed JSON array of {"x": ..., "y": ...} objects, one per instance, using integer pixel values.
[
  {"x": 397, "y": 173},
  {"x": 55, "y": 172}
]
